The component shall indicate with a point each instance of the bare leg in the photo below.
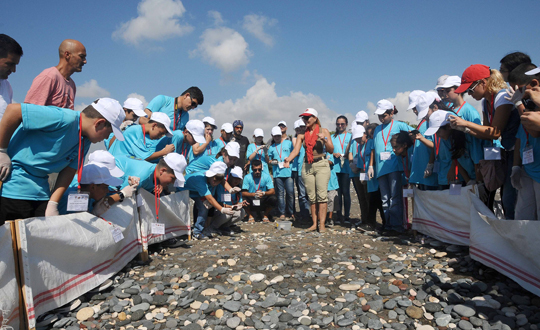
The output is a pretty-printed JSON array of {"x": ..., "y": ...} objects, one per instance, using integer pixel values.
[
  {"x": 323, "y": 207},
  {"x": 313, "y": 217}
]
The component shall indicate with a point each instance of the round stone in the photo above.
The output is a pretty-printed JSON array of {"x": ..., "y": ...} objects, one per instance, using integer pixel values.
[
  {"x": 425, "y": 327},
  {"x": 349, "y": 287},
  {"x": 233, "y": 322},
  {"x": 305, "y": 320},
  {"x": 444, "y": 320},
  {"x": 256, "y": 277},
  {"x": 171, "y": 323},
  {"x": 414, "y": 312},
  {"x": 231, "y": 262},
  {"x": 210, "y": 292},
  {"x": 463, "y": 310},
  {"x": 219, "y": 313},
  {"x": 85, "y": 313},
  {"x": 465, "y": 325}
]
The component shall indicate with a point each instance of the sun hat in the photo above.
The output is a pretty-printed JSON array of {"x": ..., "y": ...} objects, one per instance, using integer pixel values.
[
  {"x": 196, "y": 128},
  {"x": 237, "y": 172},
  {"x": 299, "y": 123},
  {"x": 276, "y": 131},
  {"x": 471, "y": 74},
  {"x": 210, "y": 120},
  {"x": 113, "y": 112},
  {"x": 451, "y": 81},
  {"x": 105, "y": 158},
  {"x": 436, "y": 120},
  {"x": 424, "y": 101},
  {"x": 282, "y": 123},
  {"x": 135, "y": 105},
  {"x": 178, "y": 164},
  {"x": 358, "y": 131},
  {"x": 361, "y": 116},
  {"x": 441, "y": 81}
]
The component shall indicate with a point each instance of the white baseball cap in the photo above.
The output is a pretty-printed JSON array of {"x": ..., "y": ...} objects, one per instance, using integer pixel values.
[
  {"x": 178, "y": 164},
  {"x": 135, "y": 105},
  {"x": 413, "y": 98},
  {"x": 441, "y": 81},
  {"x": 424, "y": 101},
  {"x": 210, "y": 120},
  {"x": 111, "y": 110},
  {"x": 233, "y": 149},
  {"x": 358, "y": 131},
  {"x": 383, "y": 106},
  {"x": 299, "y": 123},
  {"x": 310, "y": 112},
  {"x": 435, "y": 95},
  {"x": 276, "y": 131},
  {"x": 533, "y": 72},
  {"x": 196, "y": 128},
  {"x": 451, "y": 81},
  {"x": 282, "y": 123},
  {"x": 237, "y": 172},
  {"x": 162, "y": 118},
  {"x": 106, "y": 159},
  {"x": 361, "y": 116},
  {"x": 258, "y": 132},
  {"x": 227, "y": 127},
  {"x": 216, "y": 168},
  {"x": 93, "y": 173},
  {"x": 436, "y": 120}
]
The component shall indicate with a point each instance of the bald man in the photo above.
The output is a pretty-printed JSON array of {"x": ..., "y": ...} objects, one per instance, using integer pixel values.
[{"x": 54, "y": 86}]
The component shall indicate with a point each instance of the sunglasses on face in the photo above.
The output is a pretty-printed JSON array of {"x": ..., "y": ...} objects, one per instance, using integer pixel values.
[
  {"x": 306, "y": 117},
  {"x": 471, "y": 89},
  {"x": 341, "y": 124},
  {"x": 193, "y": 103},
  {"x": 257, "y": 170}
]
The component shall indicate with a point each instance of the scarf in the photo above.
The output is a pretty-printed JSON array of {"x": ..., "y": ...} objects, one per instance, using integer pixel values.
[{"x": 311, "y": 139}]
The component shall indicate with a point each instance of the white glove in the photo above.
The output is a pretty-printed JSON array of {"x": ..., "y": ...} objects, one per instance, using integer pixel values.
[
  {"x": 259, "y": 148},
  {"x": 274, "y": 162},
  {"x": 429, "y": 170},
  {"x": 128, "y": 191},
  {"x": 100, "y": 207},
  {"x": 235, "y": 190},
  {"x": 471, "y": 182},
  {"x": 514, "y": 96},
  {"x": 371, "y": 172},
  {"x": 134, "y": 180},
  {"x": 227, "y": 211},
  {"x": 207, "y": 204},
  {"x": 482, "y": 192},
  {"x": 125, "y": 124},
  {"x": 5, "y": 164},
  {"x": 515, "y": 177},
  {"x": 52, "y": 209}
]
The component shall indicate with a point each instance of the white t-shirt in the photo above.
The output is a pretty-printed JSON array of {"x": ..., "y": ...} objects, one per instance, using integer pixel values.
[{"x": 6, "y": 96}]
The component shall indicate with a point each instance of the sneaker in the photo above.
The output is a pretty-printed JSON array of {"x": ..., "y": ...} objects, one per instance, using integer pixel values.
[
  {"x": 329, "y": 223},
  {"x": 173, "y": 242},
  {"x": 236, "y": 229},
  {"x": 198, "y": 237},
  {"x": 226, "y": 231}
]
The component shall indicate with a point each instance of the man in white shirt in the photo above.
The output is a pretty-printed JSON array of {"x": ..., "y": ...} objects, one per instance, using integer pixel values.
[{"x": 10, "y": 54}]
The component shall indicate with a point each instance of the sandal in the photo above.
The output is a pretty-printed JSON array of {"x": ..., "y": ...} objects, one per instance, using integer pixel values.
[
  {"x": 265, "y": 219},
  {"x": 251, "y": 220}
]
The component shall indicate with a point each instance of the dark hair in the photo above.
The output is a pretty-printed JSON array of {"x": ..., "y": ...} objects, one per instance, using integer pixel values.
[
  {"x": 441, "y": 105},
  {"x": 160, "y": 125},
  {"x": 8, "y": 45},
  {"x": 402, "y": 138},
  {"x": 195, "y": 93},
  {"x": 338, "y": 118},
  {"x": 458, "y": 139},
  {"x": 512, "y": 60},
  {"x": 163, "y": 164},
  {"x": 221, "y": 153},
  {"x": 371, "y": 127},
  {"x": 91, "y": 112},
  {"x": 256, "y": 162},
  {"x": 392, "y": 111},
  {"x": 518, "y": 76}
]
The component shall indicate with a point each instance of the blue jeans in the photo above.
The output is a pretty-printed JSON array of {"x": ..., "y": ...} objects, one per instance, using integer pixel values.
[
  {"x": 285, "y": 193},
  {"x": 509, "y": 193},
  {"x": 201, "y": 216},
  {"x": 392, "y": 200},
  {"x": 344, "y": 194},
  {"x": 302, "y": 199}
]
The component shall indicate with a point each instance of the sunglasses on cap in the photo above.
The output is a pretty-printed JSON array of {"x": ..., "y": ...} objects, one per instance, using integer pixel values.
[{"x": 473, "y": 87}]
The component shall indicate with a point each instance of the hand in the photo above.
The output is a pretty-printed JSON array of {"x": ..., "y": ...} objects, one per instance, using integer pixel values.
[
  {"x": 353, "y": 167},
  {"x": 158, "y": 189},
  {"x": 100, "y": 207},
  {"x": 429, "y": 170},
  {"x": 208, "y": 137},
  {"x": 52, "y": 209},
  {"x": 370, "y": 172},
  {"x": 235, "y": 190},
  {"x": 134, "y": 180},
  {"x": 337, "y": 156},
  {"x": 418, "y": 136},
  {"x": 287, "y": 160},
  {"x": 286, "y": 165},
  {"x": 128, "y": 191},
  {"x": 321, "y": 136},
  {"x": 5, "y": 164},
  {"x": 533, "y": 94},
  {"x": 457, "y": 123},
  {"x": 515, "y": 177},
  {"x": 125, "y": 124},
  {"x": 274, "y": 162},
  {"x": 168, "y": 149},
  {"x": 531, "y": 121},
  {"x": 227, "y": 211},
  {"x": 259, "y": 148},
  {"x": 482, "y": 192},
  {"x": 245, "y": 203},
  {"x": 514, "y": 96}
]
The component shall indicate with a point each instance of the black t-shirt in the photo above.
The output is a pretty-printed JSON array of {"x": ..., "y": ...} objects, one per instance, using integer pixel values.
[{"x": 243, "y": 142}]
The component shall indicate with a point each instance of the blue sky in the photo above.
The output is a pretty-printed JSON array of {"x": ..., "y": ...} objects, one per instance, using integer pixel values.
[{"x": 266, "y": 61}]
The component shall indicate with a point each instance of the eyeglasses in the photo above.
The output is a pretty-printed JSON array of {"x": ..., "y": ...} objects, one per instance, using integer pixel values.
[
  {"x": 341, "y": 124},
  {"x": 194, "y": 104},
  {"x": 306, "y": 117},
  {"x": 257, "y": 170},
  {"x": 470, "y": 90}
]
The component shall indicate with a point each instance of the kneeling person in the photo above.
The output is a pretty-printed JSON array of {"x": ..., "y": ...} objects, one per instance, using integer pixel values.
[
  {"x": 222, "y": 222},
  {"x": 258, "y": 190}
]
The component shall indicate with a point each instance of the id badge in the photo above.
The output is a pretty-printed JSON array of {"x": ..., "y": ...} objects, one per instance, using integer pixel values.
[
  {"x": 281, "y": 164},
  {"x": 436, "y": 167},
  {"x": 78, "y": 202},
  {"x": 363, "y": 177},
  {"x": 385, "y": 155},
  {"x": 455, "y": 189},
  {"x": 117, "y": 234},
  {"x": 158, "y": 228},
  {"x": 341, "y": 161},
  {"x": 256, "y": 202},
  {"x": 226, "y": 197},
  {"x": 528, "y": 155},
  {"x": 408, "y": 193},
  {"x": 492, "y": 153}
]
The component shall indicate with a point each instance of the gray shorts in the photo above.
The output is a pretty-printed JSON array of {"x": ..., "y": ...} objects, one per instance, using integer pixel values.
[{"x": 332, "y": 199}]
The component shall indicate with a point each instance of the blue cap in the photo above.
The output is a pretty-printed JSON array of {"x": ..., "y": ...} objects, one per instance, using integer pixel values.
[{"x": 238, "y": 123}]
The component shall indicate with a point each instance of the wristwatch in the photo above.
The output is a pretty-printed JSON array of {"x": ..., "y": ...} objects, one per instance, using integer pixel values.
[{"x": 121, "y": 194}]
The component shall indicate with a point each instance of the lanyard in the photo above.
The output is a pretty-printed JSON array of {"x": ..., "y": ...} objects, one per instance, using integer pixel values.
[
  {"x": 362, "y": 155},
  {"x": 143, "y": 135},
  {"x": 183, "y": 150},
  {"x": 421, "y": 122},
  {"x": 458, "y": 110},
  {"x": 157, "y": 200},
  {"x": 175, "y": 112},
  {"x": 406, "y": 165},
  {"x": 280, "y": 151},
  {"x": 259, "y": 154},
  {"x": 388, "y": 136},
  {"x": 208, "y": 149},
  {"x": 527, "y": 133},
  {"x": 456, "y": 164},
  {"x": 437, "y": 142},
  {"x": 492, "y": 114},
  {"x": 342, "y": 142},
  {"x": 80, "y": 157},
  {"x": 224, "y": 143}
]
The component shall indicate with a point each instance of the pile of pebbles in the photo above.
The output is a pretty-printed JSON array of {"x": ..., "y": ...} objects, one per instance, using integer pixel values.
[{"x": 268, "y": 279}]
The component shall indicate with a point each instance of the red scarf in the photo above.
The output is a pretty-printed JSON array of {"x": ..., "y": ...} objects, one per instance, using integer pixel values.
[{"x": 311, "y": 139}]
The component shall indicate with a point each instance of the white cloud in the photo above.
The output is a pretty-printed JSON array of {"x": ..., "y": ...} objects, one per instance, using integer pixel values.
[
  {"x": 92, "y": 89},
  {"x": 157, "y": 20},
  {"x": 224, "y": 48},
  {"x": 261, "y": 107},
  {"x": 138, "y": 96},
  {"x": 80, "y": 107},
  {"x": 216, "y": 16},
  {"x": 255, "y": 24}
]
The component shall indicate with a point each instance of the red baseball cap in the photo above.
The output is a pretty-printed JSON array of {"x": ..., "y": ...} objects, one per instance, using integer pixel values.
[{"x": 471, "y": 74}]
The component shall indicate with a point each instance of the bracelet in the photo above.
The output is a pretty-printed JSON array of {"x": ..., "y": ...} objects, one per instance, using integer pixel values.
[
  {"x": 518, "y": 103},
  {"x": 4, "y": 150}
]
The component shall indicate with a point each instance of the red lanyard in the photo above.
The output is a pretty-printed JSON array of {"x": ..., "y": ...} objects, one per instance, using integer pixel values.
[
  {"x": 490, "y": 116},
  {"x": 421, "y": 122},
  {"x": 280, "y": 151},
  {"x": 209, "y": 150},
  {"x": 458, "y": 110},
  {"x": 527, "y": 133},
  {"x": 259, "y": 154},
  {"x": 362, "y": 153},
  {"x": 143, "y": 135},
  {"x": 437, "y": 142},
  {"x": 406, "y": 165},
  {"x": 342, "y": 143},
  {"x": 183, "y": 150},
  {"x": 388, "y": 136},
  {"x": 259, "y": 186},
  {"x": 224, "y": 143},
  {"x": 157, "y": 200},
  {"x": 456, "y": 164},
  {"x": 80, "y": 158}
]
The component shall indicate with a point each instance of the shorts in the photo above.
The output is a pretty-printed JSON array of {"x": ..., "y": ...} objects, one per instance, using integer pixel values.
[
  {"x": 316, "y": 177},
  {"x": 332, "y": 199}
]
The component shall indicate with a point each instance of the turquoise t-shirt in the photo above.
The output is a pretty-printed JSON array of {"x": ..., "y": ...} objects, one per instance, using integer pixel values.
[
  {"x": 207, "y": 152},
  {"x": 46, "y": 142},
  {"x": 298, "y": 161},
  {"x": 252, "y": 184},
  {"x": 333, "y": 183},
  {"x": 165, "y": 104},
  {"x": 341, "y": 141},
  {"x": 62, "y": 204},
  {"x": 135, "y": 144},
  {"x": 532, "y": 169},
  {"x": 421, "y": 159},
  {"x": 139, "y": 168},
  {"x": 181, "y": 146},
  {"x": 260, "y": 156},
  {"x": 198, "y": 186},
  {"x": 445, "y": 162},
  {"x": 469, "y": 113},
  {"x": 217, "y": 145},
  {"x": 381, "y": 137},
  {"x": 202, "y": 164},
  {"x": 220, "y": 192},
  {"x": 354, "y": 150},
  {"x": 279, "y": 152},
  {"x": 373, "y": 184}
]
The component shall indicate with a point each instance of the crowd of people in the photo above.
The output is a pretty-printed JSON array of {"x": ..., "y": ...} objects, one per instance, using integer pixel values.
[{"x": 230, "y": 179}]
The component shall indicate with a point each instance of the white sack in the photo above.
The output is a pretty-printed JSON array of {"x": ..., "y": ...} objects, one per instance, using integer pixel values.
[{"x": 9, "y": 293}]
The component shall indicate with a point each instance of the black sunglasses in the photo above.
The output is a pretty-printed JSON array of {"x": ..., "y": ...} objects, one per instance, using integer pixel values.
[
  {"x": 306, "y": 117},
  {"x": 257, "y": 170}
]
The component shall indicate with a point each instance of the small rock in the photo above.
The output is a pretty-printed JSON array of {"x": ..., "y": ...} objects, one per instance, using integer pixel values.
[
  {"x": 414, "y": 312},
  {"x": 233, "y": 322},
  {"x": 305, "y": 320},
  {"x": 85, "y": 313}
]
